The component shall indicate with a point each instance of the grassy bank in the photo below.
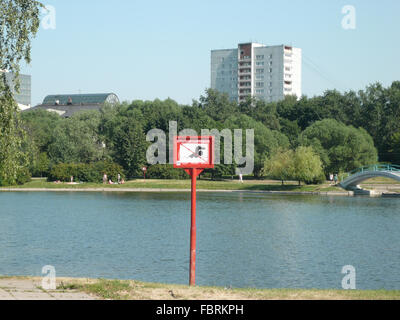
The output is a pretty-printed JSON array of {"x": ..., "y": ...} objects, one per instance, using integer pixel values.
[
  {"x": 135, "y": 290},
  {"x": 250, "y": 185}
]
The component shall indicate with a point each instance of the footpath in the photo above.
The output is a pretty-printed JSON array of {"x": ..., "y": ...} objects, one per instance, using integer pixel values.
[{"x": 30, "y": 289}]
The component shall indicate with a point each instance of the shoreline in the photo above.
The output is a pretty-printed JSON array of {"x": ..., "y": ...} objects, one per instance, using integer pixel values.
[
  {"x": 30, "y": 288},
  {"x": 170, "y": 190}
]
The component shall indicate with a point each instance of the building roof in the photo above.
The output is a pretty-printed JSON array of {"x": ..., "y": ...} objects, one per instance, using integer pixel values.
[{"x": 80, "y": 99}]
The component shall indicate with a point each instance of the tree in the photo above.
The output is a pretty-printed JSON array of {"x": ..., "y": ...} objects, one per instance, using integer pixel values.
[
  {"x": 40, "y": 125},
  {"x": 217, "y": 105},
  {"x": 394, "y": 147},
  {"x": 266, "y": 141},
  {"x": 301, "y": 165},
  {"x": 307, "y": 166},
  {"x": 43, "y": 164},
  {"x": 77, "y": 140},
  {"x": 280, "y": 165},
  {"x": 19, "y": 22},
  {"x": 129, "y": 147},
  {"x": 341, "y": 148}
]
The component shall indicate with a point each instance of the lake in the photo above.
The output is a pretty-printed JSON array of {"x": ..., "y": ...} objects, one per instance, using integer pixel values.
[{"x": 243, "y": 240}]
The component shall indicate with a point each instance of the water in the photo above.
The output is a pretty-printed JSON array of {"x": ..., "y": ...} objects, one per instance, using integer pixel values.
[{"x": 243, "y": 240}]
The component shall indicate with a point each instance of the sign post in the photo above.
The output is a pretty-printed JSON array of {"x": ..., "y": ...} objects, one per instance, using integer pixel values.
[{"x": 193, "y": 154}]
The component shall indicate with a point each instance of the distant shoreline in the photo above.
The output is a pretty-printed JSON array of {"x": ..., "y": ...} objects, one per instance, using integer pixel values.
[{"x": 160, "y": 190}]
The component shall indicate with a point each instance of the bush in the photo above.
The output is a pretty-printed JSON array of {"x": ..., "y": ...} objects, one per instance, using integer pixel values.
[
  {"x": 23, "y": 176},
  {"x": 162, "y": 171},
  {"x": 92, "y": 172}
]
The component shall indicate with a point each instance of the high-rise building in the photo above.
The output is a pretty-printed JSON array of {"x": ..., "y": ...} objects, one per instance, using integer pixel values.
[
  {"x": 23, "y": 96},
  {"x": 264, "y": 72}
]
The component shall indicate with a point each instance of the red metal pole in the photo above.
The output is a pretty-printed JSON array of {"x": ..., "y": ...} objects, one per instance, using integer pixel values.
[{"x": 192, "y": 281}]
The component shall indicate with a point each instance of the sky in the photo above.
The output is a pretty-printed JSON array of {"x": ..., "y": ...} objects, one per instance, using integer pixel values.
[{"x": 143, "y": 50}]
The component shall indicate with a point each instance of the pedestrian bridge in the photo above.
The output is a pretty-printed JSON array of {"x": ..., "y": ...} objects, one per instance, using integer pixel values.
[{"x": 351, "y": 180}]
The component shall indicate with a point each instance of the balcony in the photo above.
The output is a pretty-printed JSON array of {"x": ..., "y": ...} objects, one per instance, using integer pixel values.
[
  {"x": 244, "y": 59},
  {"x": 244, "y": 84},
  {"x": 243, "y": 72}
]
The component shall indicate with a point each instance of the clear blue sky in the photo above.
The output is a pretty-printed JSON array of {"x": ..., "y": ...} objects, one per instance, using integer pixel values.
[{"x": 160, "y": 49}]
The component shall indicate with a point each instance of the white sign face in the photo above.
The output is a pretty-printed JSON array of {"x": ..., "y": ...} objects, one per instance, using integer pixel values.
[{"x": 197, "y": 153}]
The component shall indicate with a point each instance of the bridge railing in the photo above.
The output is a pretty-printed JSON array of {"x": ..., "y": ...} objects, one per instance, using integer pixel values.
[{"x": 372, "y": 168}]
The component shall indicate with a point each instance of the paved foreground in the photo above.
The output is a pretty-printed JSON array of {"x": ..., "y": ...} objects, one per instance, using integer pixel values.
[{"x": 30, "y": 289}]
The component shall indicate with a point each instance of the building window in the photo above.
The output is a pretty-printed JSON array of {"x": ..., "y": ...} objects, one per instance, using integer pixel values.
[
  {"x": 259, "y": 63},
  {"x": 259, "y": 84},
  {"x": 259, "y": 91},
  {"x": 260, "y": 57},
  {"x": 259, "y": 70},
  {"x": 259, "y": 77}
]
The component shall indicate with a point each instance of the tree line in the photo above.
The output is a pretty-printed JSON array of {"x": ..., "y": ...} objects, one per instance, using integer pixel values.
[{"x": 332, "y": 133}]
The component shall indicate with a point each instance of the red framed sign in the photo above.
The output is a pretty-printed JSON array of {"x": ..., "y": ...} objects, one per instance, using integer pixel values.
[{"x": 194, "y": 152}]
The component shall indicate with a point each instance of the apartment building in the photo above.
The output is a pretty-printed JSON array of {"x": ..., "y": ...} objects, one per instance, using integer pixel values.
[{"x": 265, "y": 72}]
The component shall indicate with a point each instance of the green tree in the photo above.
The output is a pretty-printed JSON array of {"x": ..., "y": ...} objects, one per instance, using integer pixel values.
[
  {"x": 394, "y": 147},
  {"x": 307, "y": 166},
  {"x": 40, "y": 125},
  {"x": 130, "y": 146},
  {"x": 341, "y": 148},
  {"x": 43, "y": 165},
  {"x": 303, "y": 165},
  {"x": 280, "y": 165},
  {"x": 217, "y": 105},
  {"x": 266, "y": 141},
  {"x": 77, "y": 139},
  {"x": 19, "y": 22}
]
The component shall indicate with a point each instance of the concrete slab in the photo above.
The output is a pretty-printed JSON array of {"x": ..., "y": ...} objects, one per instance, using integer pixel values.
[
  {"x": 23, "y": 295},
  {"x": 21, "y": 289},
  {"x": 4, "y": 295},
  {"x": 71, "y": 296},
  {"x": 19, "y": 284}
]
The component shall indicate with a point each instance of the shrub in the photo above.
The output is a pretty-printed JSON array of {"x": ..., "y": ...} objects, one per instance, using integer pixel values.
[
  {"x": 23, "y": 176},
  {"x": 162, "y": 171},
  {"x": 92, "y": 172}
]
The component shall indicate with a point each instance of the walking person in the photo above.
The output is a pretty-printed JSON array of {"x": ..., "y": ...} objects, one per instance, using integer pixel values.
[
  {"x": 119, "y": 178},
  {"x": 104, "y": 179},
  {"x": 336, "y": 179}
]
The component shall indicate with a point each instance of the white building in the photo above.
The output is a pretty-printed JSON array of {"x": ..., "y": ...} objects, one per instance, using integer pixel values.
[
  {"x": 23, "y": 97},
  {"x": 264, "y": 72}
]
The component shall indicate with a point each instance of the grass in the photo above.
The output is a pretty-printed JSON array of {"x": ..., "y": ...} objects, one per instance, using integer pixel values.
[
  {"x": 230, "y": 185},
  {"x": 135, "y": 290},
  {"x": 381, "y": 180}
]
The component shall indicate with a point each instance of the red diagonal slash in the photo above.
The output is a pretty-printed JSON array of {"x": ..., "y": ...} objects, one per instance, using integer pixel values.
[{"x": 197, "y": 156}]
